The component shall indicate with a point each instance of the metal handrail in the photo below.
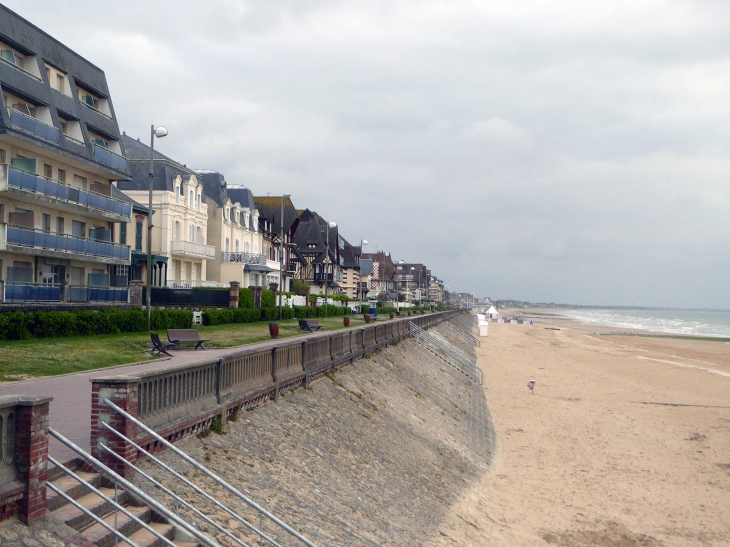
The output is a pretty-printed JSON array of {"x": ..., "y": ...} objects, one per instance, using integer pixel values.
[
  {"x": 106, "y": 498},
  {"x": 211, "y": 475},
  {"x": 454, "y": 356},
  {"x": 92, "y": 515},
  {"x": 470, "y": 337},
  {"x": 174, "y": 496},
  {"x": 149, "y": 500},
  {"x": 188, "y": 483}
]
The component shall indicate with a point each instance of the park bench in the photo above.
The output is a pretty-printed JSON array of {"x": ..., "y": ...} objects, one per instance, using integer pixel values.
[
  {"x": 309, "y": 325},
  {"x": 399, "y": 313},
  {"x": 373, "y": 317},
  {"x": 158, "y": 346},
  {"x": 185, "y": 336}
]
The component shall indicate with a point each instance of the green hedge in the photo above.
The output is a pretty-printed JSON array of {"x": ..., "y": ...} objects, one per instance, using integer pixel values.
[
  {"x": 303, "y": 312},
  {"x": 18, "y": 325},
  {"x": 245, "y": 298},
  {"x": 268, "y": 300}
]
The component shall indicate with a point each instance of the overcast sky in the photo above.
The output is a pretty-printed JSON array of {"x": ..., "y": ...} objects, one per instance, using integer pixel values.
[{"x": 538, "y": 150}]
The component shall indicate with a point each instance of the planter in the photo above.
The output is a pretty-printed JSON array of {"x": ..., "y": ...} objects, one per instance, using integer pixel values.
[
  {"x": 274, "y": 330},
  {"x": 346, "y": 321},
  {"x": 409, "y": 314},
  {"x": 391, "y": 315},
  {"x": 367, "y": 318}
]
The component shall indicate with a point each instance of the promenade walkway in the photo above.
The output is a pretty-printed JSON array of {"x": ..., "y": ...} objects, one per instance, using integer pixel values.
[{"x": 71, "y": 406}]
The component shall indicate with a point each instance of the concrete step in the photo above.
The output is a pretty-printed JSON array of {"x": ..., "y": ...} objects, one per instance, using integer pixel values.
[
  {"x": 97, "y": 535},
  {"x": 71, "y": 487},
  {"x": 77, "y": 519},
  {"x": 143, "y": 538}
]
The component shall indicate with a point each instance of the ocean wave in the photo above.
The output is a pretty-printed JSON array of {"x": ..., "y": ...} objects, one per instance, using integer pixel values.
[{"x": 670, "y": 322}]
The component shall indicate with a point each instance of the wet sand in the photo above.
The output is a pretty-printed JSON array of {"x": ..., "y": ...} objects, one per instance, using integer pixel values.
[{"x": 626, "y": 441}]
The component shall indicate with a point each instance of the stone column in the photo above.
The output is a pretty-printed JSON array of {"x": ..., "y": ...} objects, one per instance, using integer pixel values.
[
  {"x": 135, "y": 293},
  {"x": 123, "y": 392},
  {"x": 30, "y": 440},
  {"x": 256, "y": 296},
  {"x": 233, "y": 297}
]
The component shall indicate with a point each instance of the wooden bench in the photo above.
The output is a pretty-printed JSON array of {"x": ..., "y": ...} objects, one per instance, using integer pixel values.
[
  {"x": 158, "y": 346},
  {"x": 309, "y": 325},
  {"x": 185, "y": 336},
  {"x": 399, "y": 313}
]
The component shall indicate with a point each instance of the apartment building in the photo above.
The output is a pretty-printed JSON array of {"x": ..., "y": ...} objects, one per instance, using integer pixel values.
[
  {"x": 179, "y": 219},
  {"x": 350, "y": 269},
  {"x": 60, "y": 152}
]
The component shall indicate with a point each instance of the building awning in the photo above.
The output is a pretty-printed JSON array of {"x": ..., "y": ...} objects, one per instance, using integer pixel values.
[
  {"x": 256, "y": 268},
  {"x": 138, "y": 258}
]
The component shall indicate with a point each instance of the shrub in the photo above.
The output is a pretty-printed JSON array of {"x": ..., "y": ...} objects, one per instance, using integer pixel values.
[
  {"x": 247, "y": 315},
  {"x": 304, "y": 312},
  {"x": 269, "y": 314},
  {"x": 218, "y": 317},
  {"x": 50, "y": 324},
  {"x": 171, "y": 319},
  {"x": 268, "y": 300},
  {"x": 245, "y": 298}
]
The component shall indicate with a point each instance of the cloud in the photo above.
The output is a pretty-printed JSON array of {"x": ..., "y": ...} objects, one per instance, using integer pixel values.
[{"x": 550, "y": 150}]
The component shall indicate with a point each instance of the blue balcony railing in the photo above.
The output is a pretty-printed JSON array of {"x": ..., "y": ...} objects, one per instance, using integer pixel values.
[
  {"x": 98, "y": 294},
  {"x": 26, "y": 237},
  {"x": 30, "y": 124},
  {"x": 54, "y": 189},
  {"x": 32, "y": 292},
  {"x": 110, "y": 158}
]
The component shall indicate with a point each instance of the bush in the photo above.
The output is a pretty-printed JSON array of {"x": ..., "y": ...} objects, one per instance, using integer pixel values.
[
  {"x": 304, "y": 312},
  {"x": 14, "y": 325},
  {"x": 268, "y": 300},
  {"x": 247, "y": 315},
  {"x": 270, "y": 314},
  {"x": 245, "y": 298},
  {"x": 172, "y": 319},
  {"x": 218, "y": 317}
]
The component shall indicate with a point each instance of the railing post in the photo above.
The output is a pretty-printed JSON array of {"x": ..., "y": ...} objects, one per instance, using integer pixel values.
[
  {"x": 123, "y": 392},
  {"x": 274, "y": 373},
  {"x": 30, "y": 439}
]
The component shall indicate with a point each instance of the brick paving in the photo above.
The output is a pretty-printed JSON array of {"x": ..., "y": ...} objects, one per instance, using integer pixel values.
[{"x": 71, "y": 406}]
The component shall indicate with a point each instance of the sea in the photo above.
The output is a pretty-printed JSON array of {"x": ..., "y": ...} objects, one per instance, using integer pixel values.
[{"x": 689, "y": 322}]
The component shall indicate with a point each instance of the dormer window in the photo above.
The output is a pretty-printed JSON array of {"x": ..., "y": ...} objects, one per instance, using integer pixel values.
[
  {"x": 23, "y": 61},
  {"x": 58, "y": 80},
  {"x": 94, "y": 101},
  {"x": 311, "y": 246}
]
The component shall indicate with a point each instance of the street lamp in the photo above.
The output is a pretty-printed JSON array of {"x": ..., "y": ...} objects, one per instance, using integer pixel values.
[
  {"x": 362, "y": 242},
  {"x": 332, "y": 225},
  {"x": 407, "y": 289},
  {"x": 158, "y": 132},
  {"x": 281, "y": 253}
]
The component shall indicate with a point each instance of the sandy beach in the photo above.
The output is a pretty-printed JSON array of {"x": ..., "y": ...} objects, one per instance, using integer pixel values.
[{"x": 625, "y": 442}]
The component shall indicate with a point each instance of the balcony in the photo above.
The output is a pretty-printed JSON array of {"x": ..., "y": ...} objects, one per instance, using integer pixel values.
[
  {"x": 110, "y": 158},
  {"x": 83, "y": 293},
  {"x": 194, "y": 284},
  {"x": 32, "y": 125},
  {"x": 20, "y": 239},
  {"x": 243, "y": 258},
  {"x": 36, "y": 187},
  {"x": 190, "y": 248},
  {"x": 322, "y": 277},
  {"x": 16, "y": 291}
]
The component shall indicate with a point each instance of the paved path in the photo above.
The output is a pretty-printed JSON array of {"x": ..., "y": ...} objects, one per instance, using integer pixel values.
[{"x": 71, "y": 405}]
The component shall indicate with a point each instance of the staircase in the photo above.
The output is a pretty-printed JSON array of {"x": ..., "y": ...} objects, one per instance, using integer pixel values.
[{"x": 91, "y": 533}]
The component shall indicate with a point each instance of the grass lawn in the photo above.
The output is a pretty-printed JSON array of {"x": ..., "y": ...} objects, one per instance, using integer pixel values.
[{"x": 25, "y": 359}]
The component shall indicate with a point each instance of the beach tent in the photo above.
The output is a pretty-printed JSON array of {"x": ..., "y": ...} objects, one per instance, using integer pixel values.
[{"x": 492, "y": 313}]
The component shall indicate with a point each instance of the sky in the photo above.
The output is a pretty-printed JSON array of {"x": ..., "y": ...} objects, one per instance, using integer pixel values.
[{"x": 558, "y": 151}]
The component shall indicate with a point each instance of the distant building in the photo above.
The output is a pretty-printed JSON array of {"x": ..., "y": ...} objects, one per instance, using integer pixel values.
[
  {"x": 180, "y": 225},
  {"x": 60, "y": 153}
]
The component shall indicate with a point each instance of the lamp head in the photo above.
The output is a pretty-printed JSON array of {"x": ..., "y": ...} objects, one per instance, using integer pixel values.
[
  {"x": 160, "y": 132},
  {"x": 333, "y": 225},
  {"x": 364, "y": 241}
]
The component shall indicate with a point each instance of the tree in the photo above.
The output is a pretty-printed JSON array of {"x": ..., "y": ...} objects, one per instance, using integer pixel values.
[{"x": 300, "y": 287}]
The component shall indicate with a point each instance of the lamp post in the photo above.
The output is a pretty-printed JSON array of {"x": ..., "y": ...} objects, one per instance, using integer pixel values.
[
  {"x": 326, "y": 275},
  {"x": 281, "y": 253},
  {"x": 159, "y": 133},
  {"x": 408, "y": 290},
  {"x": 362, "y": 242}
]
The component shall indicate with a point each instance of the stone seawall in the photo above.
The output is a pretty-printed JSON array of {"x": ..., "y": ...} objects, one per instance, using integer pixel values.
[{"x": 376, "y": 453}]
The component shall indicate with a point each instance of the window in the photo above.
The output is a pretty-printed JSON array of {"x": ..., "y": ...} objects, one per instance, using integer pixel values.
[
  {"x": 2, "y": 156},
  {"x": 78, "y": 229},
  {"x": 80, "y": 181},
  {"x": 228, "y": 245},
  {"x": 200, "y": 201},
  {"x": 236, "y": 245},
  {"x": 123, "y": 233},
  {"x": 60, "y": 83},
  {"x": 191, "y": 232},
  {"x": 62, "y": 175},
  {"x": 190, "y": 201},
  {"x": 46, "y": 223},
  {"x": 24, "y": 164},
  {"x": 59, "y": 225},
  {"x": 138, "y": 236},
  {"x": 47, "y": 171},
  {"x": 178, "y": 191}
]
